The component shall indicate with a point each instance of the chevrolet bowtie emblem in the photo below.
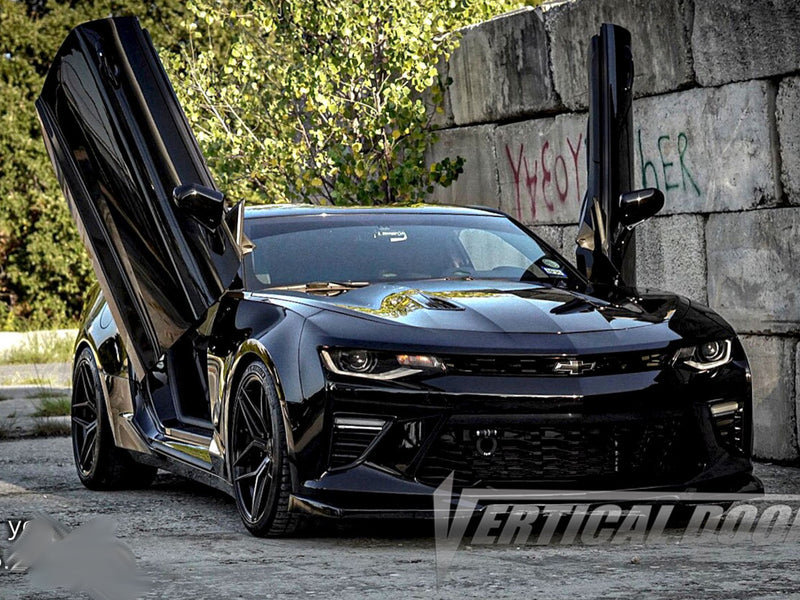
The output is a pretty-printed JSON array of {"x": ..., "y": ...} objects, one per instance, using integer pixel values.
[{"x": 573, "y": 367}]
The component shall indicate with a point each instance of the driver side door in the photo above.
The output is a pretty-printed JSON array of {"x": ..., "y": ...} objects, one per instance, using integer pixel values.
[{"x": 163, "y": 243}]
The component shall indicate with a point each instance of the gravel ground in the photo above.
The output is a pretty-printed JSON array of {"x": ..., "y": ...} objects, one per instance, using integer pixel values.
[{"x": 189, "y": 540}]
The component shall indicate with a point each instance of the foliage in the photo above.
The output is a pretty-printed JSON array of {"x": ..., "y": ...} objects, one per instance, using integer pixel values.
[
  {"x": 49, "y": 428},
  {"x": 56, "y": 406},
  {"x": 44, "y": 270},
  {"x": 322, "y": 100},
  {"x": 40, "y": 347}
]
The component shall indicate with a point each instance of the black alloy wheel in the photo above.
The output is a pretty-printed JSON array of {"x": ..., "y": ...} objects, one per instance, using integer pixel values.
[
  {"x": 85, "y": 396},
  {"x": 258, "y": 463},
  {"x": 100, "y": 464}
]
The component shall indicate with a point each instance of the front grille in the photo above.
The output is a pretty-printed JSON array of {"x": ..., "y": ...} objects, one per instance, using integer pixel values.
[
  {"x": 648, "y": 452},
  {"x": 555, "y": 366}
]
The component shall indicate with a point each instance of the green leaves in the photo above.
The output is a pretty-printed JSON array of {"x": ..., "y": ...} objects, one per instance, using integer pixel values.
[{"x": 322, "y": 100}]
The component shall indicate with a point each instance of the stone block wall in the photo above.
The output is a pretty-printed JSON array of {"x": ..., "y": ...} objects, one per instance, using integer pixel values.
[{"x": 716, "y": 128}]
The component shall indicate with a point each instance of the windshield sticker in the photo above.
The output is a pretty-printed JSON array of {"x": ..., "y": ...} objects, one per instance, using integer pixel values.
[
  {"x": 554, "y": 272},
  {"x": 394, "y": 236}
]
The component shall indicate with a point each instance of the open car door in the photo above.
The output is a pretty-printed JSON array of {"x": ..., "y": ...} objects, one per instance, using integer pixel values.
[
  {"x": 611, "y": 208},
  {"x": 163, "y": 244}
]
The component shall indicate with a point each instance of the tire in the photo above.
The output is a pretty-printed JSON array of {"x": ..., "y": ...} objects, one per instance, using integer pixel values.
[
  {"x": 258, "y": 458},
  {"x": 100, "y": 464}
]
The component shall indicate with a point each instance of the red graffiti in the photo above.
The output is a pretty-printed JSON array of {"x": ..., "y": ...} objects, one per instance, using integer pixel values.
[
  {"x": 546, "y": 177},
  {"x": 554, "y": 174}
]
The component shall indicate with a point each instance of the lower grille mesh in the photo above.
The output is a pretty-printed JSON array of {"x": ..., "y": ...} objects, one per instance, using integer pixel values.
[{"x": 642, "y": 450}]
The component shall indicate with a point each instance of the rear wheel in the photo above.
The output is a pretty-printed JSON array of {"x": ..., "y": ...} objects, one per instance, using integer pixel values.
[
  {"x": 100, "y": 464},
  {"x": 259, "y": 465}
]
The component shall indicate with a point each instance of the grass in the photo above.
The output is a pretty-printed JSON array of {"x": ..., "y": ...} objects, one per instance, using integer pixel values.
[
  {"x": 50, "y": 393},
  {"x": 42, "y": 382},
  {"x": 53, "y": 406},
  {"x": 47, "y": 428},
  {"x": 40, "y": 347},
  {"x": 7, "y": 426}
]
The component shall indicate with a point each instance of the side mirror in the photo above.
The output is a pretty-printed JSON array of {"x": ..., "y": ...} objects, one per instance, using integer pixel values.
[
  {"x": 203, "y": 204},
  {"x": 636, "y": 207}
]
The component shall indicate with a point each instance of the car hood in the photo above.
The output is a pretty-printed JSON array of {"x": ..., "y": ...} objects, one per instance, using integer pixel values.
[{"x": 486, "y": 306}]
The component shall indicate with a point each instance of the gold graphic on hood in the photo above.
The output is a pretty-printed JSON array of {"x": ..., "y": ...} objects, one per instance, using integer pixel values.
[{"x": 400, "y": 304}]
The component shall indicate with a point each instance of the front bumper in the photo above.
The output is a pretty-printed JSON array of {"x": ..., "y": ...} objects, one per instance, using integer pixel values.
[{"x": 386, "y": 449}]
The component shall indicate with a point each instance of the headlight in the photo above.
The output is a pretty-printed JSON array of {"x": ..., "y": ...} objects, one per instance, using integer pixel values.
[
  {"x": 706, "y": 356},
  {"x": 379, "y": 365}
]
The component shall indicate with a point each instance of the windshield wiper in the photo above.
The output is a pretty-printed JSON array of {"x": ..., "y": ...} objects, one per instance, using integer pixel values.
[{"x": 324, "y": 288}]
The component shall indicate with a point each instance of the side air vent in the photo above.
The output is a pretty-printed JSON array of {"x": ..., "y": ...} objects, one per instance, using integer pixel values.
[
  {"x": 729, "y": 424},
  {"x": 352, "y": 436}
]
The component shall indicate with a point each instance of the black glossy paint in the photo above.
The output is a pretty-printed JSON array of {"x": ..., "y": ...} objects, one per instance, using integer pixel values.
[{"x": 162, "y": 268}]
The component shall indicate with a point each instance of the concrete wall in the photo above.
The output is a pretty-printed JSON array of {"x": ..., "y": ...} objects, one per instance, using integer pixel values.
[{"x": 717, "y": 129}]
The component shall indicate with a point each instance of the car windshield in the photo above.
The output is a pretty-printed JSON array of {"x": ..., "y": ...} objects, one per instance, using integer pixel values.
[{"x": 362, "y": 248}]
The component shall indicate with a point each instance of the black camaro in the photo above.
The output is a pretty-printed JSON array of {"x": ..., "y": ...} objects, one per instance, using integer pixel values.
[{"x": 346, "y": 361}]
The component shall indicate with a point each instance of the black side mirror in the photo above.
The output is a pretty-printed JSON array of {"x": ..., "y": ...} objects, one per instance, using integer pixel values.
[
  {"x": 203, "y": 204},
  {"x": 636, "y": 207}
]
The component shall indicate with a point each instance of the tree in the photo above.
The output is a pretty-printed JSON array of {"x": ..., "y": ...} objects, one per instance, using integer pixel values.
[
  {"x": 322, "y": 100},
  {"x": 44, "y": 271}
]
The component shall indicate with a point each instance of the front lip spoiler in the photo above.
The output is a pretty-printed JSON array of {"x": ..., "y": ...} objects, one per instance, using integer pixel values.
[
  {"x": 726, "y": 489},
  {"x": 321, "y": 509}
]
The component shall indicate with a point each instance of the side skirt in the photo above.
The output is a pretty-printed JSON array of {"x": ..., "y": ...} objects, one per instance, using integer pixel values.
[{"x": 181, "y": 468}]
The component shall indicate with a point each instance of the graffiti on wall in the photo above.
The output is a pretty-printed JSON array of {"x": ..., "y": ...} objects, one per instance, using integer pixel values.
[
  {"x": 552, "y": 174},
  {"x": 667, "y": 170},
  {"x": 546, "y": 176}
]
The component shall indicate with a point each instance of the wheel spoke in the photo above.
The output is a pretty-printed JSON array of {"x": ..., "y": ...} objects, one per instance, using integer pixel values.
[
  {"x": 248, "y": 475},
  {"x": 88, "y": 388},
  {"x": 247, "y": 450},
  {"x": 262, "y": 411},
  {"x": 82, "y": 423},
  {"x": 87, "y": 446},
  {"x": 260, "y": 485},
  {"x": 80, "y": 384},
  {"x": 85, "y": 405},
  {"x": 250, "y": 415}
]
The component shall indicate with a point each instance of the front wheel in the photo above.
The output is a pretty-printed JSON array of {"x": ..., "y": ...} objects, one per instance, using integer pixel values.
[
  {"x": 100, "y": 464},
  {"x": 259, "y": 464}
]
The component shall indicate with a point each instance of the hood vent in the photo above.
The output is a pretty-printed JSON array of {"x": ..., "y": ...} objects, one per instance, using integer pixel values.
[{"x": 435, "y": 303}]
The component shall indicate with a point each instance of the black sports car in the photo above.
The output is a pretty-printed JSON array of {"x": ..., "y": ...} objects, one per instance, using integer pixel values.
[{"x": 345, "y": 361}]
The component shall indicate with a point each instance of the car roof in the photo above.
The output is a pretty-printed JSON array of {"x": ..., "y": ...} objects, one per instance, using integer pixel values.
[{"x": 293, "y": 210}]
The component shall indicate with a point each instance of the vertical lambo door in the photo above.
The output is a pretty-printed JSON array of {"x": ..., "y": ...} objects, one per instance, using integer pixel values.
[
  {"x": 163, "y": 244},
  {"x": 611, "y": 208}
]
